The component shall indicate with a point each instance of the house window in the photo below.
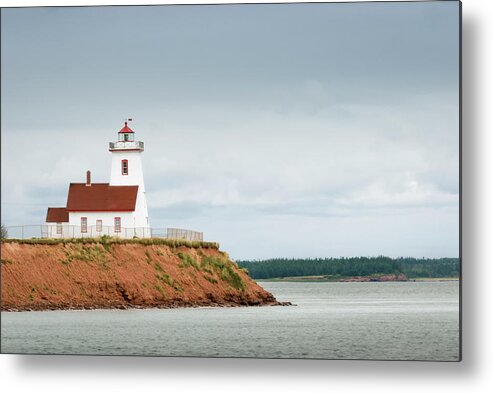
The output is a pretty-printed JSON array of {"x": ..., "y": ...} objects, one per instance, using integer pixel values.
[
  {"x": 99, "y": 225},
  {"x": 83, "y": 224},
  {"x": 58, "y": 228},
  {"x": 118, "y": 224},
  {"x": 124, "y": 167}
]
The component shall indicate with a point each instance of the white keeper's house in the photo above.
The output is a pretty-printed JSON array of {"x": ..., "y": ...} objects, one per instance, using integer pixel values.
[{"x": 117, "y": 208}]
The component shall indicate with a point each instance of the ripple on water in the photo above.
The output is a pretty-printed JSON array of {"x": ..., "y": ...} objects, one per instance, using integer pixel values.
[{"x": 407, "y": 321}]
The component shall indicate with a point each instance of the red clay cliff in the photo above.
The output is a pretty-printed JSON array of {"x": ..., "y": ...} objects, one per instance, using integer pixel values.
[{"x": 120, "y": 274}]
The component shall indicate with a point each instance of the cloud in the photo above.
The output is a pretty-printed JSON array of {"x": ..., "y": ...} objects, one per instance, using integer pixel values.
[
  {"x": 341, "y": 140},
  {"x": 408, "y": 193}
]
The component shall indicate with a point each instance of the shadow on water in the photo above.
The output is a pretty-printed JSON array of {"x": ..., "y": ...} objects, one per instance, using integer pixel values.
[{"x": 111, "y": 365}]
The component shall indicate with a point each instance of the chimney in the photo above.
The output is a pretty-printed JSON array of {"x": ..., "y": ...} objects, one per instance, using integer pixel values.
[{"x": 88, "y": 178}]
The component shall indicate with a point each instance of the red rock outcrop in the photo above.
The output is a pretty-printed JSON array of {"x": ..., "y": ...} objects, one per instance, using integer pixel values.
[{"x": 71, "y": 275}]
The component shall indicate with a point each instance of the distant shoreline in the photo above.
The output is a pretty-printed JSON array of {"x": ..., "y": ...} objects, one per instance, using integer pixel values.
[
  {"x": 363, "y": 269},
  {"x": 354, "y": 279},
  {"x": 424, "y": 279}
]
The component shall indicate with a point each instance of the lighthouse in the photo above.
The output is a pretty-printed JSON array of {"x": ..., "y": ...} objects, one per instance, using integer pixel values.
[
  {"x": 117, "y": 208},
  {"x": 126, "y": 170}
]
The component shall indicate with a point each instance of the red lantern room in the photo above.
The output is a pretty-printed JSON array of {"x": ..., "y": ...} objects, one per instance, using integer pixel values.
[
  {"x": 126, "y": 140},
  {"x": 126, "y": 134}
]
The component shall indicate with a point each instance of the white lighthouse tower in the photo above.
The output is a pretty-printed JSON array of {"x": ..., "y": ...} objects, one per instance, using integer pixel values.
[{"x": 126, "y": 170}]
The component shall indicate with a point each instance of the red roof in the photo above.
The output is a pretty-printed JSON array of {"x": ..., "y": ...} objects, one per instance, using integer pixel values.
[
  {"x": 101, "y": 197},
  {"x": 125, "y": 130},
  {"x": 57, "y": 214}
]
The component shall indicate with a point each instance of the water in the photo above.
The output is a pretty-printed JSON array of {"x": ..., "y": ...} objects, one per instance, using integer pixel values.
[{"x": 405, "y": 320}]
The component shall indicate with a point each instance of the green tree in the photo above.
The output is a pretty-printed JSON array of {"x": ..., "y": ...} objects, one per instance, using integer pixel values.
[{"x": 355, "y": 266}]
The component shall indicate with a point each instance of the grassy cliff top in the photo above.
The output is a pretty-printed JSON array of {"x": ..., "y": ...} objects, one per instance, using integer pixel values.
[{"x": 116, "y": 240}]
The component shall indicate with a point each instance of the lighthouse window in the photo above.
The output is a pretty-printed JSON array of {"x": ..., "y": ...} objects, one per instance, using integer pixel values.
[
  {"x": 118, "y": 224},
  {"x": 83, "y": 224},
  {"x": 124, "y": 167},
  {"x": 125, "y": 137}
]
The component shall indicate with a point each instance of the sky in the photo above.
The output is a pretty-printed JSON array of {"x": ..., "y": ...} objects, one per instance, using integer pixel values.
[{"x": 288, "y": 130}]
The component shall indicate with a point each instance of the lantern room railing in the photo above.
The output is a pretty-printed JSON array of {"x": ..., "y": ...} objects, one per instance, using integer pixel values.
[{"x": 129, "y": 145}]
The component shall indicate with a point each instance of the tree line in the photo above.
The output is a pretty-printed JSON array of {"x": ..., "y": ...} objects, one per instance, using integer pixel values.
[{"x": 355, "y": 266}]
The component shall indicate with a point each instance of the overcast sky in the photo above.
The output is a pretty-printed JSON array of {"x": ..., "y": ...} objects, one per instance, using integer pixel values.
[{"x": 300, "y": 130}]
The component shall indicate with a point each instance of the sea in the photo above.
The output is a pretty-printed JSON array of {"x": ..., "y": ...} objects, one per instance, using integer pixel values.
[{"x": 328, "y": 320}]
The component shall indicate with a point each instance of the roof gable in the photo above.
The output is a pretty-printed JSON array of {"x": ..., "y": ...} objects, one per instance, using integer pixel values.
[
  {"x": 101, "y": 197},
  {"x": 57, "y": 214}
]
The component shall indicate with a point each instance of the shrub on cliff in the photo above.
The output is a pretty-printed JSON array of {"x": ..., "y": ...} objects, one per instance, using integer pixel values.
[
  {"x": 225, "y": 269},
  {"x": 187, "y": 261},
  {"x": 3, "y": 232}
]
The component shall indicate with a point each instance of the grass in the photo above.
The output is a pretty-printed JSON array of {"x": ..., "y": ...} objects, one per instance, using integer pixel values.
[
  {"x": 225, "y": 270},
  {"x": 187, "y": 261},
  {"x": 148, "y": 257},
  {"x": 31, "y": 294},
  {"x": 244, "y": 270},
  {"x": 85, "y": 254},
  {"x": 164, "y": 277},
  {"x": 212, "y": 280},
  {"x": 207, "y": 269},
  {"x": 108, "y": 241},
  {"x": 159, "y": 288},
  {"x": 6, "y": 261}
]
